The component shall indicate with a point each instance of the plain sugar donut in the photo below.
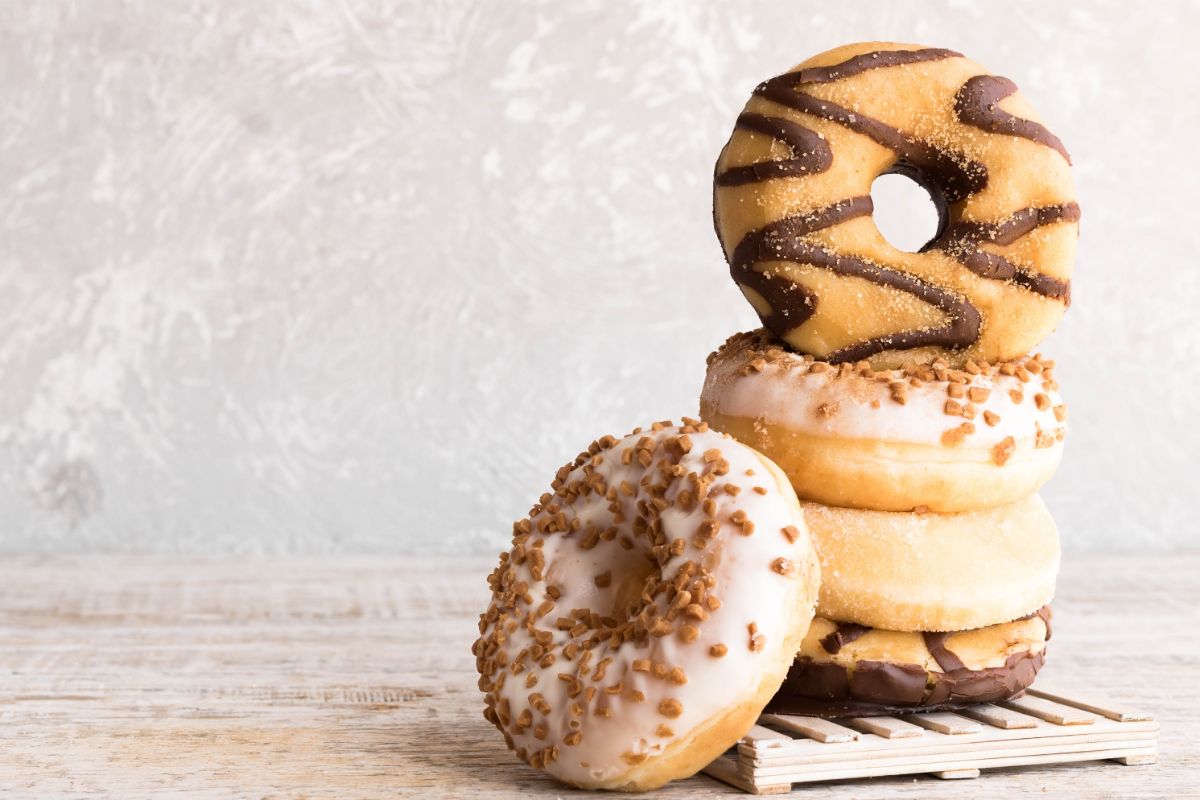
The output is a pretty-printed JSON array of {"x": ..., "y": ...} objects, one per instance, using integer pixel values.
[
  {"x": 923, "y": 437},
  {"x": 650, "y": 606},
  {"x": 934, "y": 572},
  {"x": 792, "y": 208}
]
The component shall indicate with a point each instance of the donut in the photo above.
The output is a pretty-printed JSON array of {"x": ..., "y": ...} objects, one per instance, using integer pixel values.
[
  {"x": 926, "y": 437},
  {"x": 792, "y": 209},
  {"x": 844, "y": 669},
  {"x": 650, "y": 606},
  {"x": 934, "y": 572}
]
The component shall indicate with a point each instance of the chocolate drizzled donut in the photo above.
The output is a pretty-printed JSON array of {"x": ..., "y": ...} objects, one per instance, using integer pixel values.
[
  {"x": 791, "y": 197},
  {"x": 889, "y": 673}
]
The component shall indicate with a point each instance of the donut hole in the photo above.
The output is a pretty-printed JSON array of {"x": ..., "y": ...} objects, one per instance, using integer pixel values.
[
  {"x": 907, "y": 210},
  {"x": 627, "y": 599}
]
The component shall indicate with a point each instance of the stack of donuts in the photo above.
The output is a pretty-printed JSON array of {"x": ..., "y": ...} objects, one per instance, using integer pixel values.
[
  {"x": 852, "y": 526},
  {"x": 895, "y": 389}
]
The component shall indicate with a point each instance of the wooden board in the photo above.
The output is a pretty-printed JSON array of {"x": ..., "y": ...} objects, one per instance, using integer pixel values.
[
  {"x": 351, "y": 678},
  {"x": 781, "y": 751}
]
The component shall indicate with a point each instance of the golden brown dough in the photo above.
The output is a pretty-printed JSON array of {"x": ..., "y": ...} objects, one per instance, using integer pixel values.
[
  {"x": 934, "y": 572},
  {"x": 793, "y": 210}
]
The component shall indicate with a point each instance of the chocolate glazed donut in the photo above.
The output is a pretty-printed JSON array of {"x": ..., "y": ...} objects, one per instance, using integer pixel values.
[
  {"x": 818, "y": 686},
  {"x": 809, "y": 134}
]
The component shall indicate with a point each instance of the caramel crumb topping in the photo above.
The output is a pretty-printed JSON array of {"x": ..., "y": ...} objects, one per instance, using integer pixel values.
[
  {"x": 991, "y": 418},
  {"x": 955, "y": 436},
  {"x": 573, "y": 738},
  {"x": 791, "y": 533},
  {"x": 718, "y": 650},
  {"x": 953, "y": 408},
  {"x": 1042, "y": 401},
  {"x": 664, "y": 732},
  {"x": 1003, "y": 451},
  {"x": 688, "y": 632},
  {"x": 827, "y": 410},
  {"x": 783, "y": 566},
  {"x": 604, "y": 579},
  {"x": 670, "y": 708},
  {"x": 1016, "y": 395},
  {"x": 978, "y": 394},
  {"x": 1060, "y": 412}
]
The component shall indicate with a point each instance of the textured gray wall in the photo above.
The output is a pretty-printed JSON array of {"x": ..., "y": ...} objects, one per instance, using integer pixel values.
[{"x": 357, "y": 276}]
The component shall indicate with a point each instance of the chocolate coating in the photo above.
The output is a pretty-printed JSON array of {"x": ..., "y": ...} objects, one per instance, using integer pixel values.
[
  {"x": 866, "y": 687},
  {"x": 874, "y": 688}
]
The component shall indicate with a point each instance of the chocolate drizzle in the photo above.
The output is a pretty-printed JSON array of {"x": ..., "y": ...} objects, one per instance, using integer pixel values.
[
  {"x": 810, "y": 152},
  {"x": 956, "y": 176},
  {"x": 935, "y": 642},
  {"x": 870, "y": 61},
  {"x": 976, "y": 104},
  {"x": 845, "y": 633},
  {"x": 782, "y": 241},
  {"x": 960, "y": 240},
  {"x": 950, "y": 177}
]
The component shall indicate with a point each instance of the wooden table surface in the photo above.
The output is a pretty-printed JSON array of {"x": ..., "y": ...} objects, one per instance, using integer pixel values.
[{"x": 334, "y": 677}]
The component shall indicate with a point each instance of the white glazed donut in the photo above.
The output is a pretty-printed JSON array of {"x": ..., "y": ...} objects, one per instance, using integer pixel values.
[
  {"x": 923, "y": 437},
  {"x": 648, "y": 610}
]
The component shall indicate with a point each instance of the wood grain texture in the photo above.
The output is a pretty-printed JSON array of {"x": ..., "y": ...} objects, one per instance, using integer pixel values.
[{"x": 352, "y": 677}]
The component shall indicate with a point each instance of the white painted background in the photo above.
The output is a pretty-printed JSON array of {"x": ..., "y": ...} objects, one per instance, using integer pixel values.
[{"x": 337, "y": 276}]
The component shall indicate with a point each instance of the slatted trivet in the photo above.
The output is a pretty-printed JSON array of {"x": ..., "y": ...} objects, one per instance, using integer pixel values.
[{"x": 1039, "y": 728}]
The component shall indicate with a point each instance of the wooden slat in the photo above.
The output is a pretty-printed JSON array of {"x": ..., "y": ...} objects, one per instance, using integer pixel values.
[
  {"x": 859, "y": 771},
  {"x": 1050, "y": 711},
  {"x": 813, "y": 727},
  {"x": 952, "y": 750},
  {"x": 760, "y": 737},
  {"x": 1106, "y": 709},
  {"x": 726, "y": 768},
  {"x": 1137, "y": 761},
  {"x": 946, "y": 745},
  {"x": 809, "y": 751},
  {"x": 887, "y": 727},
  {"x": 944, "y": 722},
  {"x": 999, "y": 717}
]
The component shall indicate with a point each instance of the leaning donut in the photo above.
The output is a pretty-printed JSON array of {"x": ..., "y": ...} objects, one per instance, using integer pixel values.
[
  {"x": 792, "y": 208},
  {"x": 844, "y": 669},
  {"x": 650, "y": 606},
  {"x": 924, "y": 437},
  {"x": 934, "y": 572}
]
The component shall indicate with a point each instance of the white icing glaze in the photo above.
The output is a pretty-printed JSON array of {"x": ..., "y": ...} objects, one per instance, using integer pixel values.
[
  {"x": 750, "y": 590},
  {"x": 788, "y": 394}
]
